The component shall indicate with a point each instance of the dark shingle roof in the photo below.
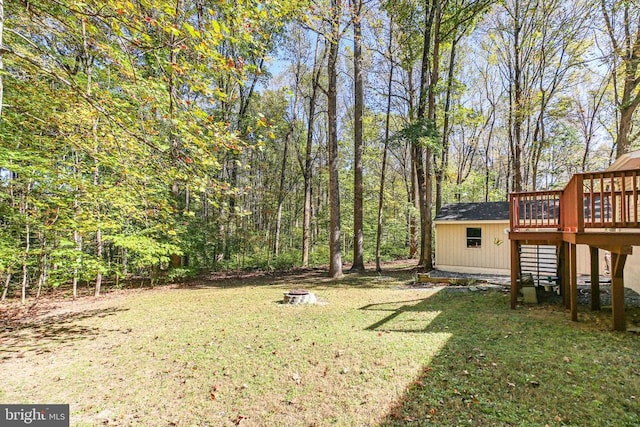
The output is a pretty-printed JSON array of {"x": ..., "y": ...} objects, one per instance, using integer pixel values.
[{"x": 489, "y": 211}]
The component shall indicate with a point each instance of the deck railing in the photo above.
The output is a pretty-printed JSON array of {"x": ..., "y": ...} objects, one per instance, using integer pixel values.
[
  {"x": 589, "y": 200},
  {"x": 535, "y": 209}
]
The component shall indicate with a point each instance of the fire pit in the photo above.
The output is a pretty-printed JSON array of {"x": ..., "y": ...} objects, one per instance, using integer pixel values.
[{"x": 299, "y": 296}]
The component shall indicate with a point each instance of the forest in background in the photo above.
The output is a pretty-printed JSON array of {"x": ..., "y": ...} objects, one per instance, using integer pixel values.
[{"x": 155, "y": 139}]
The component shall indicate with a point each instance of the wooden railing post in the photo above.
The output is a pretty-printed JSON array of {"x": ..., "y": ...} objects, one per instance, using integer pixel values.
[
  {"x": 562, "y": 221},
  {"x": 579, "y": 199},
  {"x": 513, "y": 205}
]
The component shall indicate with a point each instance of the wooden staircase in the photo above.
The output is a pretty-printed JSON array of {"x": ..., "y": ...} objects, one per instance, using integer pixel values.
[{"x": 541, "y": 262}]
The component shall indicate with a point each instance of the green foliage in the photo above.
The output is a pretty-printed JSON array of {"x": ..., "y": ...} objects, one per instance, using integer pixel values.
[
  {"x": 422, "y": 131},
  {"x": 145, "y": 251},
  {"x": 181, "y": 274},
  {"x": 114, "y": 132},
  {"x": 285, "y": 261}
]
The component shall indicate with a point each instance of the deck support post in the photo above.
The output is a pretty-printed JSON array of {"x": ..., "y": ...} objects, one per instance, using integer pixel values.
[
  {"x": 617, "y": 291},
  {"x": 515, "y": 271},
  {"x": 595, "y": 278},
  {"x": 573, "y": 273},
  {"x": 564, "y": 273}
]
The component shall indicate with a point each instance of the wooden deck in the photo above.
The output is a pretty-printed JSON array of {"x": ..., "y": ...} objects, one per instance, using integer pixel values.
[{"x": 598, "y": 209}]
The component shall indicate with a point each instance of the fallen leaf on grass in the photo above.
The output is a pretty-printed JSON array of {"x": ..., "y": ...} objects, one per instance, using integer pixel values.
[
  {"x": 214, "y": 389},
  {"x": 239, "y": 419},
  {"x": 566, "y": 359},
  {"x": 296, "y": 378}
]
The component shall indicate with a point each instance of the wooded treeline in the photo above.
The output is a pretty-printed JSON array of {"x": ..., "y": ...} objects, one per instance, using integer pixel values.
[{"x": 159, "y": 138}]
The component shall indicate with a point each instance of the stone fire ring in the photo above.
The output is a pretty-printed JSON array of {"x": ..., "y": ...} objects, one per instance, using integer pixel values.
[{"x": 299, "y": 296}]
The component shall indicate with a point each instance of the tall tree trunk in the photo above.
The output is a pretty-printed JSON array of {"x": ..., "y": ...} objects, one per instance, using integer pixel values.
[
  {"x": 538, "y": 143},
  {"x": 1, "y": 61},
  {"x": 441, "y": 167},
  {"x": 7, "y": 282},
  {"x": 385, "y": 148},
  {"x": 77, "y": 237},
  {"x": 414, "y": 199},
  {"x": 335, "y": 255},
  {"x": 358, "y": 188},
  {"x": 517, "y": 106},
  {"x": 308, "y": 159},
  {"x": 587, "y": 122},
  {"x": 487, "y": 150},
  {"x": 422, "y": 168},
  {"x": 412, "y": 187},
  {"x": 285, "y": 155},
  {"x": 25, "y": 276},
  {"x": 628, "y": 50},
  {"x": 27, "y": 245},
  {"x": 427, "y": 228},
  {"x": 623, "y": 143},
  {"x": 96, "y": 167},
  {"x": 42, "y": 265},
  {"x": 99, "y": 243},
  {"x": 283, "y": 172}
]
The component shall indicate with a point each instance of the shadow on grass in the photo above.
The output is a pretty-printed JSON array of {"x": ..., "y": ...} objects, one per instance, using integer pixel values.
[
  {"x": 393, "y": 322},
  {"x": 311, "y": 278},
  {"x": 501, "y": 367},
  {"x": 42, "y": 335}
]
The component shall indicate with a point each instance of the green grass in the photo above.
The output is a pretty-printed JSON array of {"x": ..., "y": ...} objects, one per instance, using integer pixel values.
[
  {"x": 225, "y": 353},
  {"x": 525, "y": 367}
]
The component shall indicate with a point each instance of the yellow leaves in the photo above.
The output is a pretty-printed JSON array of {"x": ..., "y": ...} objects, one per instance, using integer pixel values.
[
  {"x": 192, "y": 31},
  {"x": 171, "y": 29},
  {"x": 115, "y": 26},
  {"x": 215, "y": 26},
  {"x": 170, "y": 10}
]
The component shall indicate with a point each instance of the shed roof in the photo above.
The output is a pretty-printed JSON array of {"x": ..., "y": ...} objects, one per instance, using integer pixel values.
[
  {"x": 630, "y": 160},
  {"x": 487, "y": 211}
]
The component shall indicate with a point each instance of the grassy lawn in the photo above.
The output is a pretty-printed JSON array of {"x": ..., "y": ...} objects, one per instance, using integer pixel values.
[{"x": 222, "y": 353}]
